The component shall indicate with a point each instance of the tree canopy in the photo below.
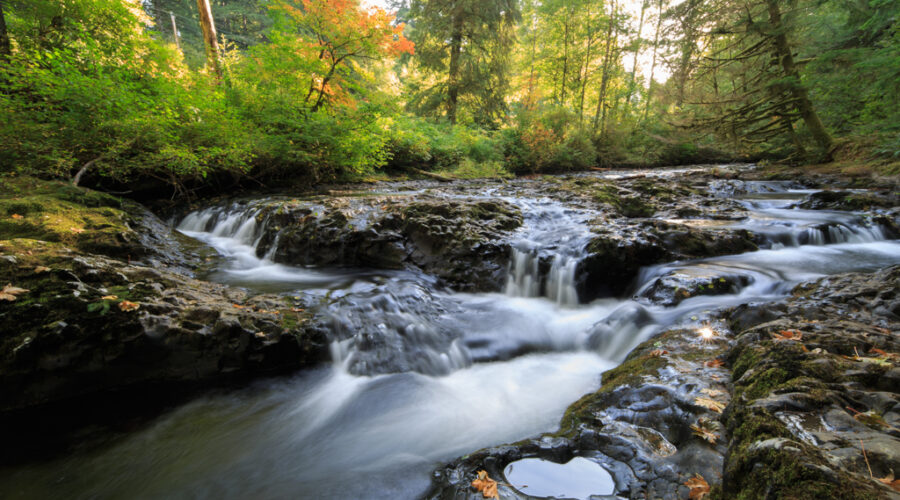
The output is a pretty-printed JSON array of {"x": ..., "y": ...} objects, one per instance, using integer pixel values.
[{"x": 323, "y": 89}]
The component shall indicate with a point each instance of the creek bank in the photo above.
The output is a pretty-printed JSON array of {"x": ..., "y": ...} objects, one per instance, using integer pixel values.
[
  {"x": 811, "y": 415},
  {"x": 110, "y": 321}
]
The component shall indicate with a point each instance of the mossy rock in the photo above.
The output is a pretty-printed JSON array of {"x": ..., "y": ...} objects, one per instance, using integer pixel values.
[{"x": 57, "y": 212}]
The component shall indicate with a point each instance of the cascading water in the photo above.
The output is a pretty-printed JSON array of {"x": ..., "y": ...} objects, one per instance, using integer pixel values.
[
  {"x": 552, "y": 234},
  {"x": 422, "y": 374}
]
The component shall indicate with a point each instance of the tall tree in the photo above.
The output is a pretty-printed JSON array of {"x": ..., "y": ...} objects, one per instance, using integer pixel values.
[
  {"x": 751, "y": 44},
  {"x": 207, "y": 24},
  {"x": 464, "y": 49},
  {"x": 5, "y": 50}
]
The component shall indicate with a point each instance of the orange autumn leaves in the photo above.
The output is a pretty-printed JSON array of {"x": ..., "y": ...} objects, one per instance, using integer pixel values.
[
  {"x": 339, "y": 34},
  {"x": 486, "y": 485}
]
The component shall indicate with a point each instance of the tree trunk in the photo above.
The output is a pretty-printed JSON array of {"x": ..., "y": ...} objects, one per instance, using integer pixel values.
[
  {"x": 587, "y": 65},
  {"x": 530, "y": 102},
  {"x": 565, "y": 68},
  {"x": 5, "y": 50},
  {"x": 613, "y": 56},
  {"x": 208, "y": 25},
  {"x": 174, "y": 31},
  {"x": 653, "y": 61},
  {"x": 453, "y": 77},
  {"x": 637, "y": 51},
  {"x": 604, "y": 79},
  {"x": 798, "y": 91}
]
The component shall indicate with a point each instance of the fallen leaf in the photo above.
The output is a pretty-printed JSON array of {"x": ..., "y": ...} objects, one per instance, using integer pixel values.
[
  {"x": 705, "y": 430},
  {"x": 890, "y": 481},
  {"x": 871, "y": 418},
  {"x": 658, "y": 352},
  {"x": 486, "y": 485},
  {"x": 41, "y": 269},
  {"x": 9, "y": 293},
  {"x": 17, "y": 216},
  {"x": 297, "y": 309},
  {"x": 710, "y": 404},
  {"x": 787, "y": 335},
  {"x": 76, "y": 230},
  {"x": 857, "y": 357},
  {"x": 712, "y": 392},
  {"x": 714, "y": 363},
  {"x": 237, "y": 306},
  {"x": 699, "y": 487},
  {"x": 109, "y": 297},
  {"x": 128, "y": 306},
  {"x": 260, "y": 335},
  {"x": 882, "y": 354}
]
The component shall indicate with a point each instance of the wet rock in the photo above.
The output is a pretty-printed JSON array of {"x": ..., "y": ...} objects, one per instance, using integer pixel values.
[
  {"x": 850, "y": 200},
  {"x": 804, "y": 409},
  {"x": 96, "y": 333},
  {"x": 460, "y": 241},
  {"x": 613, "y": 261},
  {"x": 674, "y": 287},
  {"x": 637, "y": 425}
]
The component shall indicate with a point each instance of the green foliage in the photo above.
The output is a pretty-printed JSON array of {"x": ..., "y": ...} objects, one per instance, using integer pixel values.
[
  {"x": 422, "y": 144},
  {"x": 549, "y": 140},
  {"x": 463, "y": 52}
]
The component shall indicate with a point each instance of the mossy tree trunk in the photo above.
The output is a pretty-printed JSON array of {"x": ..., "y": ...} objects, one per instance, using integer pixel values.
[{"x": 798, "y": 91}]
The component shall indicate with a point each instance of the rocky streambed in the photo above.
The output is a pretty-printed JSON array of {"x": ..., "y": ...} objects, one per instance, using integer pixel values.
[{"x": 659, "y": 326}]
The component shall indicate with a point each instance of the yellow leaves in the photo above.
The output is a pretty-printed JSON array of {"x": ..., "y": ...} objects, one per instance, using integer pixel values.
[
  {"x": 699, "y": 487},
  {"x": 710, "y": 404},
  {"x": 706, "y": 430},
  {"x": 793, "y": 335},
  {"x": 486, "y": 485},
  {"x": 713, "y": 393},
  {"x": 110, "y": 297},
  {"x": 17, "y": 216},
  {"x": 127, "y": 306},
  {"x": 10, "y": 293}
]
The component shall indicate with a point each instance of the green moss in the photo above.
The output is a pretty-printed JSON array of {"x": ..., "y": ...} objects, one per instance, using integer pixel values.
[
  {"x": 58, "y": 212},
  {"x": 631, "y": 372},
  {"x": 766, "y": 472}
]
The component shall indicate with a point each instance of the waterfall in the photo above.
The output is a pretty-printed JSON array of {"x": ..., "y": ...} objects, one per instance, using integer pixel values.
[{"x": 524, "y": 279}]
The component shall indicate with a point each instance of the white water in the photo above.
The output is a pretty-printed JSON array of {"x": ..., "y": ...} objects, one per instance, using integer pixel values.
[
  {"x": 457, "y": 372},
  {"x": 553, "y": 233}
]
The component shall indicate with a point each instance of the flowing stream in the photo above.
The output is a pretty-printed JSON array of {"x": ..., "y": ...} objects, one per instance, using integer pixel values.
[{"x": 457, "y": 372}]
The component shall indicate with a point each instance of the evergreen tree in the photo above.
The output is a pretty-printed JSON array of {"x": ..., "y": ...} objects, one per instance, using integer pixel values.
[{"x": 464, "y": 50}]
